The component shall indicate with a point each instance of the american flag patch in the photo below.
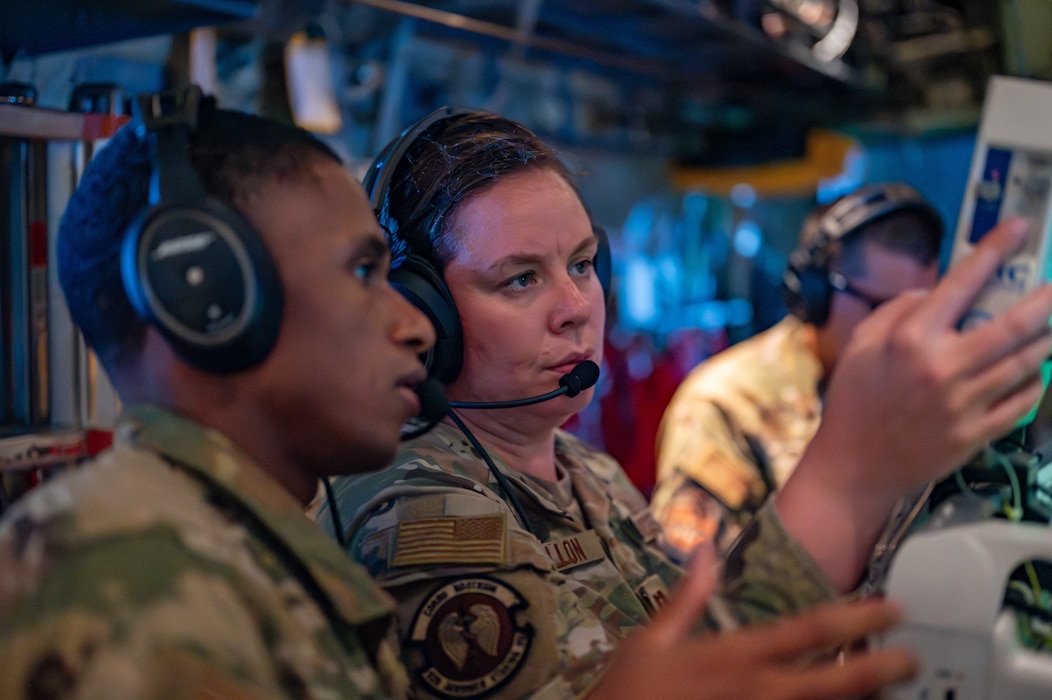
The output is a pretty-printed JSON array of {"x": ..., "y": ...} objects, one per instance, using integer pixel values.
[{"x": 479, "y": 540}]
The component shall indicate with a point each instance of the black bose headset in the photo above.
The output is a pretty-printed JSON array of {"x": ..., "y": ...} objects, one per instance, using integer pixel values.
[
  {"x": 808, "y": 283},
  {"x": 192, "y": 266},
  {"x": 416, "y": 277}
]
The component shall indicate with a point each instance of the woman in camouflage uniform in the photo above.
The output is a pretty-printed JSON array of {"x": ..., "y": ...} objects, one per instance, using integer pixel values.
[{"x": 521, "y": 562}]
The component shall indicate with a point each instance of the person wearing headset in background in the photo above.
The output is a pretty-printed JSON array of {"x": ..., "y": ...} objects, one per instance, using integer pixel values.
[
  {"x": 739, "y": 423},
  {"x": 254, "y": 309},
  {"x": 521, "y": 558}
]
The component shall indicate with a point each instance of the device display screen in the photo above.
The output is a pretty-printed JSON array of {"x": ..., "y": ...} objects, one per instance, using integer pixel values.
[{"x": 1014, "y": 182}]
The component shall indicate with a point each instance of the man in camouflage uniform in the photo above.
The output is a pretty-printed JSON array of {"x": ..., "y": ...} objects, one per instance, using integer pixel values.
[
  {"x": 180, "y": 564},
  {"x": 739, "y": 423}
]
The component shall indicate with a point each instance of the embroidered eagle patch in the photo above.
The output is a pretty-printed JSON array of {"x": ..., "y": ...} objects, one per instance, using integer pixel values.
[{"x": 471, "y": 639}]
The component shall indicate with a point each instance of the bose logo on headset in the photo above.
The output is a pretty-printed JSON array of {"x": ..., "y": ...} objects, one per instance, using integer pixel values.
[
  {"x": 193, "y": 243},
  {"x": 192, "y": 266},
  {"x": 416, "y": 277},
  {"x": 808, "y": 283}
]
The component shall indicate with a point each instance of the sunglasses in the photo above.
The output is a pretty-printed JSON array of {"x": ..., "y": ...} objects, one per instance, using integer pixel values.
[{"x": 841, "y": 284}]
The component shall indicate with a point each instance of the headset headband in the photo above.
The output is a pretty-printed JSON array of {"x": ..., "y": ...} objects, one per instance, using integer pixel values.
[
  {"x": 869, "y": 204},
  {"x": 378, "y": 177},
  {"x": 167, "y": 120}
]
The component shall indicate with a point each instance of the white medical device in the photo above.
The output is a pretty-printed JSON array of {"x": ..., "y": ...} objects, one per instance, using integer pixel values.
[
  {"x": 977, "y": 614},
  {"x": 971, "y": 646},
  {"x": 1011, "y": 175}
]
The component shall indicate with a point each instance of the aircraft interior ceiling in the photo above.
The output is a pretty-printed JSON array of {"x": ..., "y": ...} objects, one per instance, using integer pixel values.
[{"x": 765, "y": 70}]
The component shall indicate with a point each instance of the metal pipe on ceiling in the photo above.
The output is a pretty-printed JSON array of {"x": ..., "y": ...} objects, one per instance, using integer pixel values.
[{"x": 510, "y": 34}]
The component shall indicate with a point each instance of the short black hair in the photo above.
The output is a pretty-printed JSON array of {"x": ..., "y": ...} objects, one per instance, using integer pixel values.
[
  {"x": 231, "y": 152},
  {"x": 905, "y": 232},
  {"x": 892, "y": 215}
]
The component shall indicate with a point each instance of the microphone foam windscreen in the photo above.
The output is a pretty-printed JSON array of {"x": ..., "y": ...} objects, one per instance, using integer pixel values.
[
  {"x": 433, "y": 404},
  {"x": 581, "y": 377}
]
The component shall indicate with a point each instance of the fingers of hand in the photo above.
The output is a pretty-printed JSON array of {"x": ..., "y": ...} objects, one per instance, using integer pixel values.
[
  {"x": 684, "y": 609},
  {"x": 860, "y": 675},
  {"x": 879, "y": 325},
  {"x": 962, "y": 282},
  {"x": 793, "y": 659},
  {"x": 837, "y": 626},
  {"x": 1008, "y": 373},
  {"x": 1026, "y": 321},
  {"x": 912, "y": 325},
  {"x": 824, "y": 628},
  {"x": 978, "y": 367},
  {"x": 704, "y": 564},
  {"x": 1002, "y": 369},
  {"x": 1004, "y": 415}
]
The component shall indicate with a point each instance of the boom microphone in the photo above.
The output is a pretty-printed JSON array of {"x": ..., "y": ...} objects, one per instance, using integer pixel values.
[
  {"x": 581, "y": 377},
  {"x": 433, "y": 404}
]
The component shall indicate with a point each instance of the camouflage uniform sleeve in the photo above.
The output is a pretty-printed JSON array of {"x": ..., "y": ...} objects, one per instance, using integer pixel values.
[
  {"x": 126, "y": 618},
  {"x": 708, "y": 483},
  {"x": 120, "y": 579},
  {"x": 690, "y": 517},
  {"x": 479, "y": 607},
  {"x": 768, "y": 574}
]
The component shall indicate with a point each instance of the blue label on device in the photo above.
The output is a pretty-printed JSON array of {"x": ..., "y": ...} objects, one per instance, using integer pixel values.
[{"x": 989, "y": 193}]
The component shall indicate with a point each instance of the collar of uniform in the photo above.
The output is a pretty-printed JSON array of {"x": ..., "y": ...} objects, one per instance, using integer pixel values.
[
  {"x": 450, "y": 437},
  {"x": 221, "y": 465},
  {"x": 205, "y": 451}
]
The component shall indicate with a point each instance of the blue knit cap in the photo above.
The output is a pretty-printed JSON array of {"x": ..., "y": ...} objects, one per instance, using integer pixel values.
[{"x": 111, "y": 192}]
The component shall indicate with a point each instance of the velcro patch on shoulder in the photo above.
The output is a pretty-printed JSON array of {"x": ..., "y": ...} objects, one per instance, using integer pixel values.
[
  {"x": 375, "y": 549},
  {"x": 653, "y": 592},
  {"x": 470, "y": 637},
  {"x": 451, "y": 540},
  {"x": 646, "y": 525}
]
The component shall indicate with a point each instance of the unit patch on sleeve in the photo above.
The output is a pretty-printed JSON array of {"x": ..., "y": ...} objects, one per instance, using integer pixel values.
[{"x": 471, "y": 639}]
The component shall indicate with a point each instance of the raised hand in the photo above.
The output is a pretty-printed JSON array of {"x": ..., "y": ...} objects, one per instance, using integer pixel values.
[
  {"x": 787, "y": 660},
  {"x": 911, "y": 399}
]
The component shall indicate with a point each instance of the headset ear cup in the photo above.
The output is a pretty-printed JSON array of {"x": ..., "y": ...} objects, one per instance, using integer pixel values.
[
  {"x": 806, "y": 289},
  {"x": 420, "y": 283},
  {"x": 415, "y": 277},
  {"x": 818, "y": 296},
  {"x": 202, "y": 277},
  {"x": 792, "y": 292}
]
